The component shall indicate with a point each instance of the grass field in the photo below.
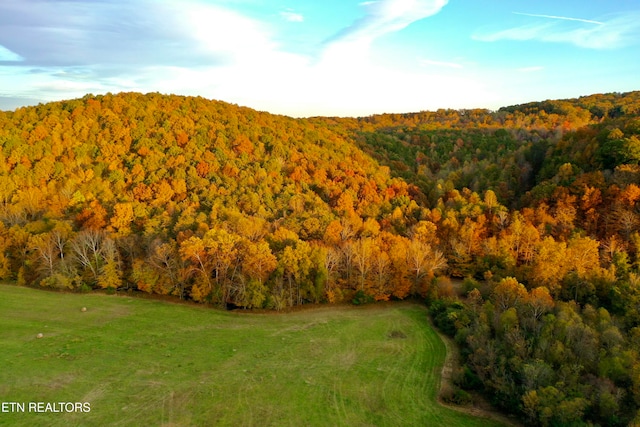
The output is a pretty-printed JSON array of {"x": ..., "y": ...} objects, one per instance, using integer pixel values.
[{"x": 140, "y": 362}]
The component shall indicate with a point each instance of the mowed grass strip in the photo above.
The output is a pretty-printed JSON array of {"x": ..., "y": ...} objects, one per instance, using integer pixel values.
[{"x": 140, "y": 362}]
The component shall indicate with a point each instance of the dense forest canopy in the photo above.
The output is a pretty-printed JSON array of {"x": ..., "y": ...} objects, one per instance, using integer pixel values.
[{"x": 536, "y": 205}]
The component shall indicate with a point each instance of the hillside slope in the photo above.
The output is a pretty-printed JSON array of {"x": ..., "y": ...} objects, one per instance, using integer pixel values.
[{"x": 196, "y": 198}]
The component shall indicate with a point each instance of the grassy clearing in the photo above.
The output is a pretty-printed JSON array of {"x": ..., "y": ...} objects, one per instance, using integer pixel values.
[{"x": 140, "y": 362}]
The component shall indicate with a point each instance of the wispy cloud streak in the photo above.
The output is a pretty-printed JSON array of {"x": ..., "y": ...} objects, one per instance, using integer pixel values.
[
  {"x": 387, "y": 16},
  {"x": 562, "y": 18}
]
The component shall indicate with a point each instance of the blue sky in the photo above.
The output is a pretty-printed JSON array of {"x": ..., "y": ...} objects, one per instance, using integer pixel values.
[{"x": 329, "y": 57}]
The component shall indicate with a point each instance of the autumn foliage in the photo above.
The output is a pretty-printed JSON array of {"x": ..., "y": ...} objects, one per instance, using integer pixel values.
[
  {"x": 536, "y": 205},
  {"x": 202, "y": 200}
]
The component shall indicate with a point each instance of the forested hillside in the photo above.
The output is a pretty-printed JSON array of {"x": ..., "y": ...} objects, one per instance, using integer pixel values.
[
  {"x": 203, "y": 200},
  {"x": 536, "y": 205}
]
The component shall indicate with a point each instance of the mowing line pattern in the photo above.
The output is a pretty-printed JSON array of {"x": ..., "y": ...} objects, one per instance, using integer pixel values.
[{"x": 140, "y": 362}]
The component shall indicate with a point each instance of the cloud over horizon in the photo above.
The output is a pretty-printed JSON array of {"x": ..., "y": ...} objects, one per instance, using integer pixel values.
[
  {"x": 319, "y": 58},
  {"x": 193, "y": 47},
  {"x": 98, "y": 46}
]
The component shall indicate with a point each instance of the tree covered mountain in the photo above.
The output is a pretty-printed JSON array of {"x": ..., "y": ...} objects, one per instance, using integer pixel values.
[
  {"x": 200, "y": 199},
  {"x": 536, "y": 205}
]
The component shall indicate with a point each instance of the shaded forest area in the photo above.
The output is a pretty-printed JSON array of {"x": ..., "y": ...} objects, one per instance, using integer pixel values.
[{"x": 535, "y": 205}]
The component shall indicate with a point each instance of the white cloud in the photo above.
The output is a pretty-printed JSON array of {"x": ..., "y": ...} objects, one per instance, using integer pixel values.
[
  {"x": 344, "y": 79},
  {"x": 134, "y": 33},
  {"x": 74, "y": 48},
  {"x": 388, "y": 16},
  {"x": 194, "y": 48},
  {"x": 291, "y": 16},
  {"x": 615, "y": 32},
  {"x": 352, "y": 77},
  {"x": 224, "y": 33}
]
